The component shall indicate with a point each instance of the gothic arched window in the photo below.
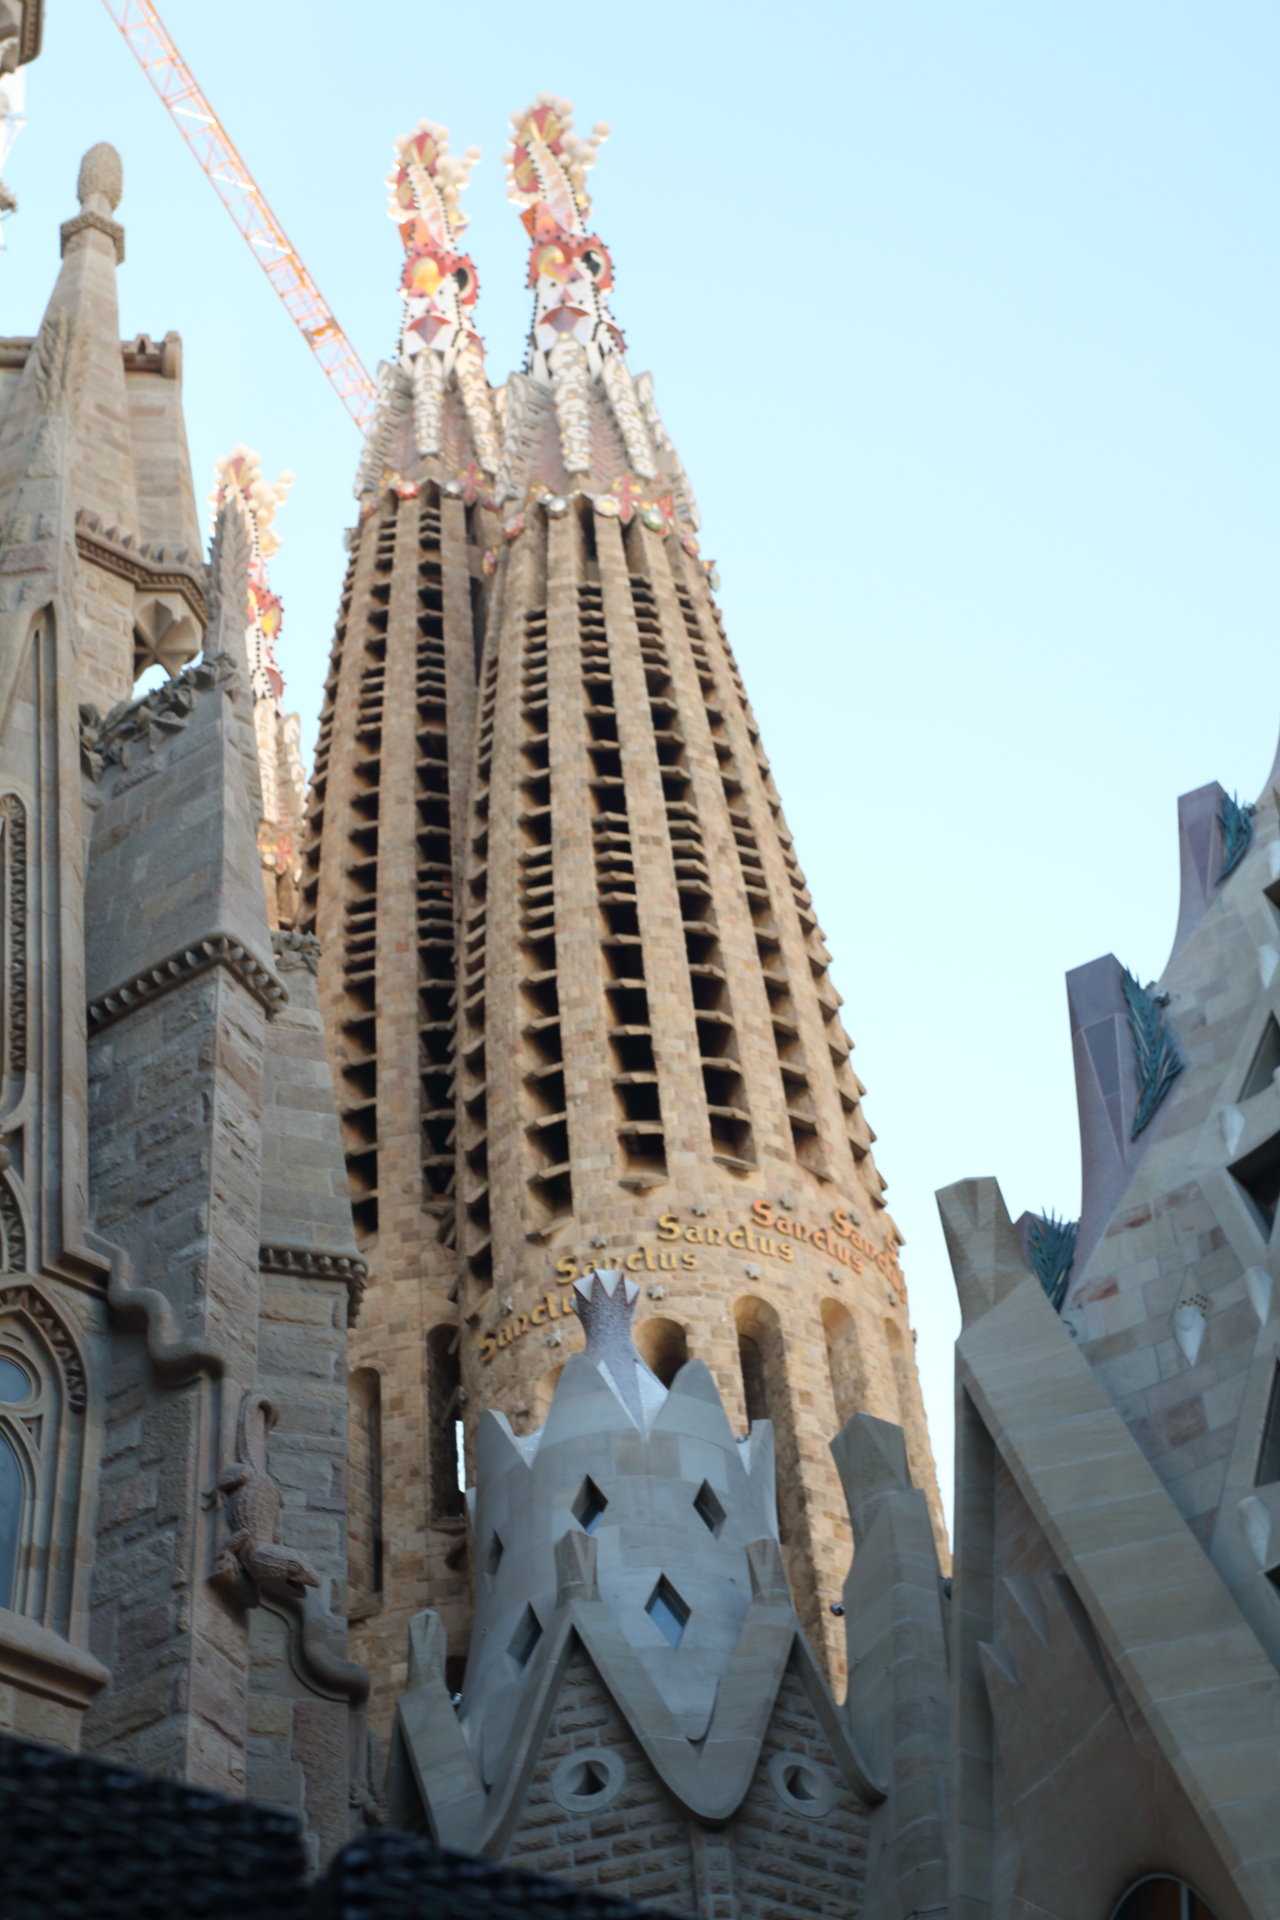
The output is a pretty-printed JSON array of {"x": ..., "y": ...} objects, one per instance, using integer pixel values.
[
  {"x": 13, "y": 1500},
  {"x": 43, "y": 1391},
  {"x": 1162, "y": 1897}
]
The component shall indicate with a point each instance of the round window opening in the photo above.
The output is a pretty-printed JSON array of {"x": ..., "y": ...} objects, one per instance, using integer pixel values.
[
  {"x": 801, "y": 1785},
  {"x": 15, "y": 1386},
  {"x": 587, "y": 1781}
]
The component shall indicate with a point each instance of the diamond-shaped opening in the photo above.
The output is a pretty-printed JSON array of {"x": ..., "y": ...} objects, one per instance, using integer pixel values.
[
  {"x": 708, "y": 1508},
  {"x": 1265, "y": 1061},
  {"x": 495, "y": 1553},
  {"x": 525, "y": 1638},
  {"x": 1258, "y": 1176},
  {"x": 668, "y": 1611},
  {"x": 1269, "y": 1452},
  {"x": 589, "y": 1778},
  {"x": 589, "y": 1506}
]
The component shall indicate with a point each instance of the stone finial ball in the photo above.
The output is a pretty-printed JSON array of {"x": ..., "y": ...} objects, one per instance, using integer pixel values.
[{"x": 101, "y": 172}]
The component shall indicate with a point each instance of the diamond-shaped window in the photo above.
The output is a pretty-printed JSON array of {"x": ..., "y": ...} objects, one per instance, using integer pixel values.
[
  {"x": 668, "y": 1612},
  {"x": 708, "y": 1508},
  {"x": 1266, "y": 1061},
  {"x": 1258, "y": 1175},
  {"x": 589, "y": 1506},
  {"x": 495, "y": 1553},
  {"x": 525, "y": 1638}
]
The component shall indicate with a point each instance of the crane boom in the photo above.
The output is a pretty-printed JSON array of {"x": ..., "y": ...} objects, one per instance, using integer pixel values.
[{"x": 244, "y": 200}]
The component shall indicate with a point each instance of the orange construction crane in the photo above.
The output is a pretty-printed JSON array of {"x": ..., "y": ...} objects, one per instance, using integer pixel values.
[{"x": 244, "y": 200}]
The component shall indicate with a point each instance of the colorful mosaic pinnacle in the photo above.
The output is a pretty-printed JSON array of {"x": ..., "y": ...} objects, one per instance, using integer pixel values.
[
  {"x": 574, "y": 339},
  {"x": 569, "y": 269},
  {"x": 439, "y": 285},
  {"x": 241, "y": 472},
  {"x": 241, "y": 487}
]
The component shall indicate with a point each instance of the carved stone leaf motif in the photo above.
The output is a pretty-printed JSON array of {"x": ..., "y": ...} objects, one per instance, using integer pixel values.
[
  {"x": 58, "y": 362},
  {"x": 1156, "y": 1060},
  {"x": 295, "y": 950},
  {"x": 13, "y": 933},
  {"x": 393, "y": 400},
  {"x": 686, "y": 505},
  {"x": 525, "y": 408},
  {"x": 1236, "y": 825},
  {"x": 38, "y": 1310},
  {"x": 428, "y": 401},
  {"x": 569, "y": 372},
  {"x": 620, "y": 388},
  {"x": 229, "y": 556},
  {"x": 138, "y": 727},
  {"x": 474, "y": 388},
  {"x": 13, "y": 1238}
]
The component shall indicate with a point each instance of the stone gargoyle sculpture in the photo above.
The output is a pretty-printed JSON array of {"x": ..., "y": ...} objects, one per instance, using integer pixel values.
[{"x": 252, "y": 1555}]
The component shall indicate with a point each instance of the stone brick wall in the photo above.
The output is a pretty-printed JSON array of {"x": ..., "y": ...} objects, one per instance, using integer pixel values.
[
  {"x": 174, "y": 1116},
  {"x": 783, "y": 1863},
  {"x": 639, "y": 1845}
]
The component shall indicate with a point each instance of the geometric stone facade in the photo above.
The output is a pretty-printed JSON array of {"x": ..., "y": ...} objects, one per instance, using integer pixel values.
[
  {"x": 577, "y": 997},
  {"x": 1115, "y": 1637},
  {"x": 641, "y": 1709},
  {"x": 177, "y": 1261},
  {"x": 547, "y": 1157}
]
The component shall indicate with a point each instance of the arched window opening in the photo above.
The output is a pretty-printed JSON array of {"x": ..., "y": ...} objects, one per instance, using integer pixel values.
[
  {"x": 844, "y": 1361},
  {"x": 13, "y": 1499},
  {"x": 663, "y": 1345},
  {"x": 43, "y": 1391},
  {"x": 1162, "y": 1897},
  {"x": 444, "y": 1412},
  {"x": 765, "y": 1392},
  {"x": 365, "y": 1524},
  {"x": 754, "y": 1393}
]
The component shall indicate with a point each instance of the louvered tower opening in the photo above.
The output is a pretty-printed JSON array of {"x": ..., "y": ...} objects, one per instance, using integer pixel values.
[
  {"x": 545, "y": 1106},
  {"x": 437, "y": 947},
  {"x": 640, "y": 1133},
  {"x": 728, "y": 1109},
  {"x": 796, "y": 1071},
  {"x": 309, "y": 902},
  {"x": 474, "y": 1105},
  {"x": 357, "y": 1094}
]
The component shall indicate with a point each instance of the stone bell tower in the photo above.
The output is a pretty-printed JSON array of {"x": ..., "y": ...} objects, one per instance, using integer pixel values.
[{"x": 578, "y": 998}]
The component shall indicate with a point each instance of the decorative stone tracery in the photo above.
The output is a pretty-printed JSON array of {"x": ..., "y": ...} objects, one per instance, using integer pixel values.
[{"x": 13, "y": 934}]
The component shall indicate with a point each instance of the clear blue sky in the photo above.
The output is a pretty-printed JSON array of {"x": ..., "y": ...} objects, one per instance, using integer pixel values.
[{"x": 964, "y": 319}]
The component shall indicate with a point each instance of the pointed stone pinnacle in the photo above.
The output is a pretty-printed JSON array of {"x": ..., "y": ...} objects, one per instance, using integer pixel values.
[{"x": 605, "y": 1302}]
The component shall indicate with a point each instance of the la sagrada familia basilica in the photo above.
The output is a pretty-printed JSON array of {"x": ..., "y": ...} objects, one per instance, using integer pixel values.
[{"x": 455, "y": 1366}]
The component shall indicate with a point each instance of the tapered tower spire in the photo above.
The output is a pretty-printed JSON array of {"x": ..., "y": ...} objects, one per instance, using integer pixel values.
[
  {"x": 577, "y": 994},
  {"x": 283, "y": 781}
]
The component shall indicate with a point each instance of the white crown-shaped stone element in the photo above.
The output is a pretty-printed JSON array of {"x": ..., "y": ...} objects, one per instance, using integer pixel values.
[
  {"x": 605, "y": 1302},
  {"x": 655, "y": 1489}
]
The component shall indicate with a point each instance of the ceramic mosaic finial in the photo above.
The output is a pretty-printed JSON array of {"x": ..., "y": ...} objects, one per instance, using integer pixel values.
[
  {"x": 439, "y": 286},
  {"x": 574, "y": 339},
  {"x": 570, "y": 271},
  {"x": 240, "y": 472}
]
